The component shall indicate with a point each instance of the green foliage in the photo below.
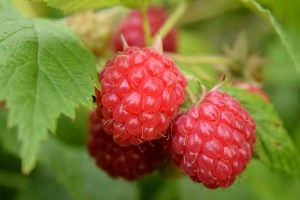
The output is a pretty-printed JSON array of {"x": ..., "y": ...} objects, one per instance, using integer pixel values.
[
  {"x": 43, "y": 185},
  {"x": 274, "y": 146},
  {"x": 283, "y": 34},
  {"x": 7, "y": 9},
  {"x": 46, "y": 73},
  {"x": 78, "y": 173},
  {"x": 79, "y": 5},
  {"x": 286, "y": 11}
]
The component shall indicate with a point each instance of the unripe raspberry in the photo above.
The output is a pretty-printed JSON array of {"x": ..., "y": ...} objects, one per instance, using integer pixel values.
[
  {"x": 127, "y": 162},
  {"x": 133, "y": 30},
  {"x": 213, "y": 141},
  {"x": 141, "y": 93},
  {"x": 255, "y": 89}
]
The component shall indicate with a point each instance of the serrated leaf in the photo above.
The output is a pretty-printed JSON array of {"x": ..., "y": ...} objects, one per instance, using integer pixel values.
[
  {"x": 283, "y": 35},
  {"x": 44, "y": 71},
  {"x": 80, "y": 175},
  {"x": 274, "y": 146}
]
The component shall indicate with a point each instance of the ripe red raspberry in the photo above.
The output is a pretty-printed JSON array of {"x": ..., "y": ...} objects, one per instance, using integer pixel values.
[
  {"x": 133, "y": 30},
  {"x": 213, "y": 141},
  {"x": 141, "y": 93},
  {"x": 253, "y": 89},
  {"x": 127, "y": 162}
]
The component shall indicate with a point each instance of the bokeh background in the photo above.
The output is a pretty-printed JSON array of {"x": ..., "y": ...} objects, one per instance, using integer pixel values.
[{"x": 65, "y": 170}]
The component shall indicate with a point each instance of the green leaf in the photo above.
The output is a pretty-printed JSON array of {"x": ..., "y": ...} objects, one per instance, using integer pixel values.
[
  {"x": 79, "y": 5},
  {"x": 7, "y": 9},
  {"x": 283, "y": 35},
  {"x": 79, "y": 174},
  {"x": 236, "y": 191},
  {"x": 43, "y": 185},
  {"x": 76, "y": 5},
  {"x": 274, "y": 146},
  {"x": 44, "y": 71},
  {"x": 8, "y": 138}
]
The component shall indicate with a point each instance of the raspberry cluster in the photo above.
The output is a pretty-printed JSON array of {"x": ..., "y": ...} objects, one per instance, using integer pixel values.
[
  {"x": 137, "y": 126},
  {"x": 141, "y": 93},
  {"x": 133, "y": 30},
  {"x": 127, "y": 162},
  {"x": 213, "y": 142}
]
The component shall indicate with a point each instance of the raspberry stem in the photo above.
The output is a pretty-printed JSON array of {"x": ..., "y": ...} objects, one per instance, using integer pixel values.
[
  {"x": 172, "y": 20},
  {"x": 146, "y": 25},
  {"x": 192, "y": 98},
  {"x": 209, "y": 59}
]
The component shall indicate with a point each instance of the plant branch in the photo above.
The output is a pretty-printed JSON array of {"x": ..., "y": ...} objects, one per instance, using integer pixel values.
[
  {"x": 210, "y": 59},
  {"x": 172, "y": 20},
  {"x": 146, "y": 25},
  {"x": 13, "y": 180}
]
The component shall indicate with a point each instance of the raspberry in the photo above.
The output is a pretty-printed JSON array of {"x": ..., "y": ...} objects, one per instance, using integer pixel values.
[
  {"x": 253, "y": 89},
  {"x": 133, "y": 31},
  {"x": 141, "y": 93},
  {"x": 213, "y": 141},
  {"x": 127, "y": 162}
]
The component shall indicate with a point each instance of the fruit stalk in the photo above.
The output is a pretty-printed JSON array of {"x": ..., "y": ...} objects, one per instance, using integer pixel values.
[{"x": 171, "y": 21}]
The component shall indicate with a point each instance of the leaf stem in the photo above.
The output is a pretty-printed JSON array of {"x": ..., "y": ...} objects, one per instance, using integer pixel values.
[{"x": 172, "y": 20}]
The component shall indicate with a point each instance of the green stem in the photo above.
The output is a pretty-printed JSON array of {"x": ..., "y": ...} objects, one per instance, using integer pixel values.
[
  {"x": 172, "y": 20},
  {"x": 13, "y": 180},
  {"x": 210, "y": 59},
  {"x": 146, "y": 25},
  {"x": 191, "y": 96},
  {"x": 202, "y": 10}
]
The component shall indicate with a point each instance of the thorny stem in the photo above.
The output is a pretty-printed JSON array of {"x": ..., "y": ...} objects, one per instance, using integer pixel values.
[{"x": 172, "y": 20}]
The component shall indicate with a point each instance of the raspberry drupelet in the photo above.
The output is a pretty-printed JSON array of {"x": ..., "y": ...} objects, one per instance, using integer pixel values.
[
  {"x": 133, "y": 30},
  {"x": 141, "y": 93},
  {"x": 213, "y": 142},
  {"x": 127, "y": 162}
]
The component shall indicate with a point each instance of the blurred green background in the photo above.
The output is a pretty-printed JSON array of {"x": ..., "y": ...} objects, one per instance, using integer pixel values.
[{"x": 65, "y": 171}]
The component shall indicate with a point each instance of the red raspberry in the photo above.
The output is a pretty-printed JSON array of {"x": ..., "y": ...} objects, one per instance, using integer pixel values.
[
  {"x": 141, "y": 93},
  {"x": 213, "y": 142},
  {"x": 253, "y": 89},
  {"x": 127, "y": 162},
  {"x": 133, "y": 30}
]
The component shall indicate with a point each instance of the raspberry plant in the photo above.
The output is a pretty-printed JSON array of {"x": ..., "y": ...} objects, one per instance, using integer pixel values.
[{"x": 148, "y": 76}]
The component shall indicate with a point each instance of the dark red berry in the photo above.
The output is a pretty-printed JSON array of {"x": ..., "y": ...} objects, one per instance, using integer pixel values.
[
  {"x": 133, "y": 30},
  {"x": 129, "y": 162},
  {"x": 141, "y": 93},
  {"x": 253, "y": 89},
  {"x": 213, "y": 141}
]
